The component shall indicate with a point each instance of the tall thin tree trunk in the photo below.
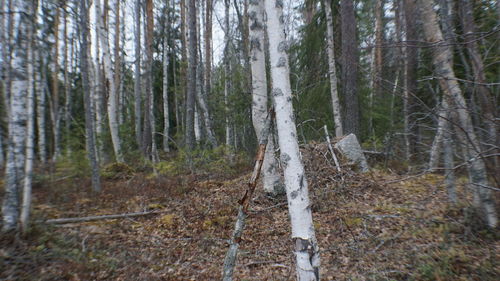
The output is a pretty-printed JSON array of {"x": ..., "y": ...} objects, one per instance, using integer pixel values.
[
  {"x": 166, "y": 115},
  {"x": 40, "y": 104},
  {"x": 271, "y": 179},
  {"x": 227, "y": 72},
  {"x": 483, "y": 92},
  {"x": 449, "y": 164},
  {"x": 109, "y": 78},
  {"x": 305, "y": 244},
  {"x": 411, "y": 65},
  {"x": 442, "y": 58},
  {"x": 85, "y": 69},
  {"x": 137, "y": 75},
  {"x": 349, "y": 61},
  {"x": 118, "y": 64},
  {"x": 98, "y": 92},
  {"x": 55, "y": 114},
  {"x": 14, "y": 170},
  {"x": 30, "y": 130},
  {"x": 191, "y": 75},
  {"x": 337, "y": 117},
  {"x": 67, "y": 90}
]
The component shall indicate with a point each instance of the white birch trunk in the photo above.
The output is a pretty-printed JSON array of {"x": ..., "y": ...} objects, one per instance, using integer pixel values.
[
  {"x": 98, "y": 92},
  {"x": 30, "y": 132},
  {"x": 438, "y": 139},
  {"x": 337, "y": 118},
  {"x": 305, "y": 244},
  {"x": 14, "y": 169},
  {"x": 449, "y": 179},
  {"x": 112, "y": 108},
  {"x": 87, "y": 94},
  {"x": 40, "y": 105},
  {"x": 442, "y": 58},
  {"x": 271, "y": 179},
  {"x": 227, "y": 71}
]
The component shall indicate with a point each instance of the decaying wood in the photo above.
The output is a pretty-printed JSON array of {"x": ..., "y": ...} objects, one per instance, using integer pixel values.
[
  {"x": 232, "y": 252},
  {"x": 103, "y": 217},
  {"x": 331, "y": 148}
]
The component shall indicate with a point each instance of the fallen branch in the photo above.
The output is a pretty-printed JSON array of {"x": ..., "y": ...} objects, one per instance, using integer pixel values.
[
  {"x": 103, "y": 217},
  {"x": 232, "y": 252}
]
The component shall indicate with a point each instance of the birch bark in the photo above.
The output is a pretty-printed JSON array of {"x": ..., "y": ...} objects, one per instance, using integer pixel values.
[
  {"x": 271, "y": 179},
  {"x": 305, "y": 244},
  {"x": 17, "y": 118},
  {"x": 137, "y": 75},
  {"x": 442, "y": 64},
  {"x": 337, "y": 118},
  {"x": 109, "y": 77},
  {"x": 85, "y": 70}
]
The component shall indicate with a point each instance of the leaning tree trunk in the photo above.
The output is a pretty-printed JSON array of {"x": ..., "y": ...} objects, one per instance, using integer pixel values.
[
  {"x": 17, "y": 116},
  {"x": 271, "y": 179},
  {"x": 85, "y": 69},
  {"x": 109, "y": 78},
  {"x": 442, "y": 58},
  {"x": 337, "y": 117},
  {"x": 305, "y": 244},
  {"x": 485, "y": 98}
]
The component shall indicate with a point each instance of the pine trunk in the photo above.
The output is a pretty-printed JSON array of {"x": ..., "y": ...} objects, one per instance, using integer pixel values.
[
  {"x": 305, "y": 244},
  {"x": 349, "y": 62},
  {"x": 191, "y": 75}
]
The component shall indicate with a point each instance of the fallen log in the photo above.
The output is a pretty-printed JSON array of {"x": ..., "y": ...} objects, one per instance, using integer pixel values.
[{"x": 103, "y": 217}]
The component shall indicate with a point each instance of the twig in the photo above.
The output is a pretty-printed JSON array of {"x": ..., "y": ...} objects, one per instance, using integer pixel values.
[{"x": 384, "y": 241}]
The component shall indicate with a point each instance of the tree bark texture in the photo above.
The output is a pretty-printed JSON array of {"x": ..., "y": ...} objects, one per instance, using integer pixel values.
[
  {"x": 305, "y": 244},
  {"x": 271, "y": 178},
  {"x": 442, "y": 58}
]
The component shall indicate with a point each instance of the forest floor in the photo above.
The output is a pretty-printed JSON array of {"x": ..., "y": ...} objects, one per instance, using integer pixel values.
[{"x": 373, "y": 226}]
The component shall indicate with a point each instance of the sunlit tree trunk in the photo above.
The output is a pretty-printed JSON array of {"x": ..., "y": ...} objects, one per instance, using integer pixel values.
[
  {"x": 349, "y": 62},
  {"x": 67, "y": 84},
  {"x": 442, "y": 58},
  {"x": 271, "y": 178},
  {"x": 14, "y": 170},
  {"x": 30, "y": 130},
  {"x": 337, "y": 118},
  {"x": 85, "y": 69},
  {"x": 305, "y": 244},
  {"x": 98, "y": 84},
  {"x": 109, "y": 78}
]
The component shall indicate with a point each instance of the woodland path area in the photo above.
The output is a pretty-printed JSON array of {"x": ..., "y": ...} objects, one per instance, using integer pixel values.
[{"x": 373, "y": 226}]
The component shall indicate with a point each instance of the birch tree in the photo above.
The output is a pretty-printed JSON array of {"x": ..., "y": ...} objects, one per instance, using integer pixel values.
[
  {"x": 332, "y": 72},
  {"x": 55, "y": 114},
  {"x": 305, "y": 244},
  {"x": 441, "y": 58},
  {"x": 108, "y": 74},
  {"x": 14, "y": 169},
  {"x": 227, "y": 71},
  {"x": 85, "y": 70},
  {"x": 271, "y": 178}
]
